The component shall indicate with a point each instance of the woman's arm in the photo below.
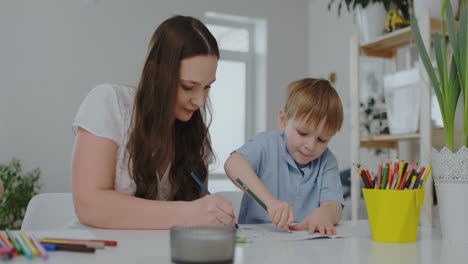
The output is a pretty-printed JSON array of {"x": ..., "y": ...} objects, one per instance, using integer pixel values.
[
  {"x": 98, "y": 205},
  {"x": 279, "y": 212}
]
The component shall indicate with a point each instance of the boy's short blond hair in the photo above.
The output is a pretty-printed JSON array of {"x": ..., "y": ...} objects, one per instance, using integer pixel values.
[{"x": 310, "y": 100}]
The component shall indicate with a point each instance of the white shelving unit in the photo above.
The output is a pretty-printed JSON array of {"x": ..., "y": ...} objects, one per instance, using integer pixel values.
[{"x": 386, "y": 47}]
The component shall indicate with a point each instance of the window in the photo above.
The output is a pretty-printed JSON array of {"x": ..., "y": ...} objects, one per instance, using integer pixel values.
[{"x": 235, "y": 117}]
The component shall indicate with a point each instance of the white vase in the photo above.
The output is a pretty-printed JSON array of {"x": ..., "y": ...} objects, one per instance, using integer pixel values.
[
  {"x": 371, "y": 21},
  {"x": 451, "y": 182},
  {"x": 433, "y": 6}
]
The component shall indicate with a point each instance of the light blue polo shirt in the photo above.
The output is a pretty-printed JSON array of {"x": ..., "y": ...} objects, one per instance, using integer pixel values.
[{"x": 268, "y": 156}]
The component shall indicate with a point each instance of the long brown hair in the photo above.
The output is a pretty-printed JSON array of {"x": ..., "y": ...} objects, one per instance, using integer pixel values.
[{"x": 155, "y": 138}]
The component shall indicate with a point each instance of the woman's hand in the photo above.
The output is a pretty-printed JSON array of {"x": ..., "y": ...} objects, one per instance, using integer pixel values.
[
  {"x": 280, "y": 213},
  {"x": 212, "y": 210}
]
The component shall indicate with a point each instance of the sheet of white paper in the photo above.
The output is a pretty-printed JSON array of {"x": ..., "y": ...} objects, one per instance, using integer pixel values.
[{"x": 269, "y": 233}]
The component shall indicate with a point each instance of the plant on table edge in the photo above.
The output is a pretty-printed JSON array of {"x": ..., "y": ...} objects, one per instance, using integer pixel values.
[
  {"x": 19, "y": 189},
  {"x": 451, "y": 80}
]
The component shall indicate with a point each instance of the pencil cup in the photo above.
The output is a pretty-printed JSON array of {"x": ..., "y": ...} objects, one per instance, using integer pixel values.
[
  {"x": 203, "y": 244},
  {"x": 393, "y": 214}
]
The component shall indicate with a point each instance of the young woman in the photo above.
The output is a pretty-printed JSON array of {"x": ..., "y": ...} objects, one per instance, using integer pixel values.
[{"x": 136, "y": 147}]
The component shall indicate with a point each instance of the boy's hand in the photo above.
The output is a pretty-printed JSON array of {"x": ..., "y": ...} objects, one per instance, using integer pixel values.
[
  {"x": 280, "y": 213},
  {"x": 316, "y": 221}
]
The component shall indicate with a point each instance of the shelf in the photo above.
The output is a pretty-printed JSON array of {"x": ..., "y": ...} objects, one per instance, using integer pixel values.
[
  {"x": 386, "y": 141},
  {"x": 391, "y": 141},
  {"x": 386, "y": 45}
]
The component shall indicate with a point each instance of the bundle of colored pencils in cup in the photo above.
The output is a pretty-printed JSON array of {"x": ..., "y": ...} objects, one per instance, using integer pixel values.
[
  {"x": 21, "y": 244},
  {"x": 394, "y": 176}
]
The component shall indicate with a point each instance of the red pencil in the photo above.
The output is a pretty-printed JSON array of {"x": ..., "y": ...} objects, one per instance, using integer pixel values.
[{"x": 379, "y": 176}]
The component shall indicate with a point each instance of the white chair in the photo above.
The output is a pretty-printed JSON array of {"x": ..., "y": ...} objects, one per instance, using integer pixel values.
[
  {"x": 235, "y": 197},
  {"x": 49, "y": 211}
]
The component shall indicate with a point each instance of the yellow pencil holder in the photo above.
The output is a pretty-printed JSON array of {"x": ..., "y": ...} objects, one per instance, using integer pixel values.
[{"x": 393, "y": 214}]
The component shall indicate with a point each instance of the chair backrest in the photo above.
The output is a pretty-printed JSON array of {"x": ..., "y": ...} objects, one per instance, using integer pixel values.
[
  {"x": 235, "y": 197},
  {"x": 49, "y": 211}
]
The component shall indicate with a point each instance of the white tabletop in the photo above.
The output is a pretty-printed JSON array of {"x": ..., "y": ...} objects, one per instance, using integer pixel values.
[{"x": 154, "y": 247}]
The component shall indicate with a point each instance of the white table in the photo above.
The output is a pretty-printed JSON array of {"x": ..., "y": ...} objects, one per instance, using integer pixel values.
[{"x": 154, "y": 247}]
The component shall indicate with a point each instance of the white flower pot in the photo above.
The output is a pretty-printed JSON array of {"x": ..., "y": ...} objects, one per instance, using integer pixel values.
[
  {"x": 433, "y": 6},
  {"x": 371, "y": 22},
  {"x": 451, "y": 182}
]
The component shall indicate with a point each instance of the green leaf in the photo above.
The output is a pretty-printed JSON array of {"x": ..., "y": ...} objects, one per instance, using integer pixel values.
[
  {"x": 454, "y": 86},
  {"x": 425, "y": 59}
]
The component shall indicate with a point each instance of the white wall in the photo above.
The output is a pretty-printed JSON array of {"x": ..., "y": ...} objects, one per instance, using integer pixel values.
[
  {"x": 53, "y": 52},
  {"x": 329, "y": 52}
]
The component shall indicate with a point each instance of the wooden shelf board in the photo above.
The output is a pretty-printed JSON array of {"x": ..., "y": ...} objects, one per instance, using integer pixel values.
[
  {"x": 388, "y": 138},
  {"x": 385, "y": 46}
]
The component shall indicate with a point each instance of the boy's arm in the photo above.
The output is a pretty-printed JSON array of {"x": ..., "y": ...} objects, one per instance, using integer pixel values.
[
  {"x": 279, "y": 212},
  {"x": 333, "y": 211},
  {"x": 237, "y": 167}
]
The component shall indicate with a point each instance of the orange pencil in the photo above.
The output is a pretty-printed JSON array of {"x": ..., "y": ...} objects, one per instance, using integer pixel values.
[
  {"x": 7, "y": 242},
  {"x": 389, "y": 178}
]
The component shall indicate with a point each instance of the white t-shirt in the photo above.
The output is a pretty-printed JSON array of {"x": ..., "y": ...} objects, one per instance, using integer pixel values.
[{"x": 106, "y": 112}]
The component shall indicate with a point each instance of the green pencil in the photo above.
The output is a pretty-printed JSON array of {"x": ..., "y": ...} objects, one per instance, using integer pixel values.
[
  {"x": 14, "y": 242},
  {"x": 252, "y": 194}
]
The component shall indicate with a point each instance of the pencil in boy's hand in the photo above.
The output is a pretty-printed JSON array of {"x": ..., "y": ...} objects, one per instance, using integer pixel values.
[{"x": 251, "y": 194}]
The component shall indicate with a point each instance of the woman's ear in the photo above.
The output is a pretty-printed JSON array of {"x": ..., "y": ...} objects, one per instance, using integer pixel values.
[{"x": 282, "y": 120}]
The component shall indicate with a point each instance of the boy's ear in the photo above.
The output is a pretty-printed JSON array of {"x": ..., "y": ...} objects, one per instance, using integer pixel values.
[{"x": 282, "y": 120}]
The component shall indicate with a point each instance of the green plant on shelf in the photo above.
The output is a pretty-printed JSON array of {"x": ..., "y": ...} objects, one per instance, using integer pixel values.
[
  {"x": 19, "y": 189},
  {"x": 402, "y": 5}
]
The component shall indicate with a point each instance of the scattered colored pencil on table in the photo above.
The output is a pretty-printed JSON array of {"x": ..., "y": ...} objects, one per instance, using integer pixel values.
[
  {"x": 394, "y": 176},
  {"x": 12, "y": 245}
]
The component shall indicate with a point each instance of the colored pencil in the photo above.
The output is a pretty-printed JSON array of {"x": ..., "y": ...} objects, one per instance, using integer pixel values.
[
  {"x": 429, "y": 168},
  {"x": 205, "y": 189},
  {"x": 28, "y": 243},
  {"x": 27, "y": 252},
  {"x": 92, "y": 244},
  {"x": 14, "y": 242},
  {"x": 39, "y": 247},
  {"x": 72, "y": 247},
  {"x": 252, "y": 194},
  {"x": 110, "y": 243}
]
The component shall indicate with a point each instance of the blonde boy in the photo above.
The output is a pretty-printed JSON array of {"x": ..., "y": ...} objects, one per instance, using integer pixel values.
[{"x": 292, "y": 171}]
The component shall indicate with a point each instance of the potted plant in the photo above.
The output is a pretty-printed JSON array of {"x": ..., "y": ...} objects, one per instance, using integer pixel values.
[
  {"x": 19, "y": 189},
  {"x": 372, "y": 17},
  {"x": 402, "y": 5},
  {"x": 450, "y": 80}
]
